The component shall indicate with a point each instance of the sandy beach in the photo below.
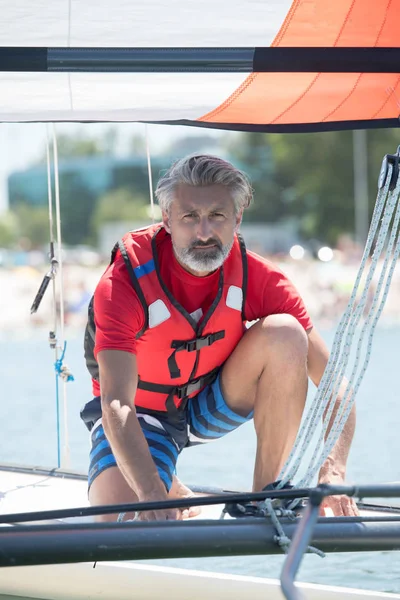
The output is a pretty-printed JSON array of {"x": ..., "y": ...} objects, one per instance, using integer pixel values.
[{"x": 325, "y": 287}]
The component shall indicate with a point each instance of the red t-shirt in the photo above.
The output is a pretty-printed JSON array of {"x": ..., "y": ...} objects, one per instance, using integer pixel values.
[{"x": 119, "y": 314}]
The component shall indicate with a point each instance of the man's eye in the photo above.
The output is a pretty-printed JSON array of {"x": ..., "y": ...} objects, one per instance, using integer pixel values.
[
  {"x": 218, "y": 215},
  {"x": 189, "y": 216}
]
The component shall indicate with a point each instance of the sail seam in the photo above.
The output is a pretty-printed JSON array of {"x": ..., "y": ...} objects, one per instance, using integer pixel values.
[{"x": 332, "y": 112}]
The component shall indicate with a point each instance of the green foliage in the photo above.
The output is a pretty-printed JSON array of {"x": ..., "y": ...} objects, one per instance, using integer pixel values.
[
  {"x": 119, "y": 205},
  {"x": 32, "y": 224},
  {"x": 309, "y": 177},
  {"x": 8, "y": 230},
  {"x": 80, "y": 144},
  {"x": 306, "y": 177},
  {"x": 77, "y": 207}
]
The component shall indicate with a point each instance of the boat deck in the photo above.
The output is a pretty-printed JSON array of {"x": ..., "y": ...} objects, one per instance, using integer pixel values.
[{"x": 35, "y": 489}]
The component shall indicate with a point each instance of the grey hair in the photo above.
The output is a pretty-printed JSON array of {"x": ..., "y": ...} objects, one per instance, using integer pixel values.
[{"x": 201, "y": 170}]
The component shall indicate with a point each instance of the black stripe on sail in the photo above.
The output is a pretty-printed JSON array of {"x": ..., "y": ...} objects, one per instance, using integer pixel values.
[
  {"x": 326, "y": 60},
  {"x": 23, "y": 59},
  {"x": 317, "y": 127},
  {"x": 202, "y": 60}
]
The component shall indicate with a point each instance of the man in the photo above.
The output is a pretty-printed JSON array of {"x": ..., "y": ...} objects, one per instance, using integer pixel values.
[{"x": 171, "y": 359}]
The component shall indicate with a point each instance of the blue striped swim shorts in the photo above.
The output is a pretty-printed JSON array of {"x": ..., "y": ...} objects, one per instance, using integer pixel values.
[{"x": 205, "y": 418}]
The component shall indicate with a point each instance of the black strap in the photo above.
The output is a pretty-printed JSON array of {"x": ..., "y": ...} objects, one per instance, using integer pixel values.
[
  {"x": 181, "y": 391},
  {"x": 198, "y": 343},
  {"x": 190, "y": 346}
]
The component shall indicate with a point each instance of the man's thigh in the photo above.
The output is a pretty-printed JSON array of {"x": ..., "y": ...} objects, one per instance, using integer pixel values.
[
  {"x": 104, "y": 477},
  {"x": 242, "y": 370},
  {"x": 209, "y": 415},
  {"x": 266, "y": 345}
]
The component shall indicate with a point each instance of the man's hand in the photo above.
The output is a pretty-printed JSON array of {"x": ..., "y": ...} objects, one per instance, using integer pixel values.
[
  {"x": 170, "y": 514},
  {"x": 178, "y": 490},
  {"x": 337, "y": 506}
]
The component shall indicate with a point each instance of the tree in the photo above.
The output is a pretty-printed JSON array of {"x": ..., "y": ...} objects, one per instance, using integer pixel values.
[
  {"x": 33, "y": 224},
  {"x": 309, "y": 177},
  {"x": 8, "y": 230},
  {"x": 77, "y": 207},
  {"x": 120, "y": 205},
  {"x": 79, "y": 144}
]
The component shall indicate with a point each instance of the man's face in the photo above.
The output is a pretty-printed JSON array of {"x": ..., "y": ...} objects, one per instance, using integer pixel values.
[{"x": 202, "y": 224}]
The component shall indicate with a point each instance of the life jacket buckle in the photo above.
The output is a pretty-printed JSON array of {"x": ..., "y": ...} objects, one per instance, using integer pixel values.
[
  {"x": 185, "y": 390},
  {"x": 198, "y": 343}
]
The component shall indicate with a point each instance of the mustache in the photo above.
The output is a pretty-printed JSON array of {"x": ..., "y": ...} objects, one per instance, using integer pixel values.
[{"x": 210, "y": 242}]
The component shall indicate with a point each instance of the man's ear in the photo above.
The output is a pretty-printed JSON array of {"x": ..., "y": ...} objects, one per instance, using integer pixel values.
[
  {"x": 165, "y": 220},
  {"x": 238, "y": 220}
]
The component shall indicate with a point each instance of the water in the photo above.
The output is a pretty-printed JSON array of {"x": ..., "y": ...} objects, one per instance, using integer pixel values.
[{"x": 28, "y": 434}]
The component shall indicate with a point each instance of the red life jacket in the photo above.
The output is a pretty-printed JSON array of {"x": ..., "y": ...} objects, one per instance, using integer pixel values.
[{"x": 176, "y": 356}]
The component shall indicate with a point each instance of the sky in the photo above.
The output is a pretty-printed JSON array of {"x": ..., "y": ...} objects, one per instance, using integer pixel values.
[{"x": 21, "y": 144}]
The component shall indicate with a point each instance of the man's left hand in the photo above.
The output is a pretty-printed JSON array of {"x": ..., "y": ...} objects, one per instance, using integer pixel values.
[{"x": 338, "y": 506}]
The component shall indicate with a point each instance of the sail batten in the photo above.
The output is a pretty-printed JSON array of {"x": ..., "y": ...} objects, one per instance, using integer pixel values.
[{"x": 201, "y": 60}]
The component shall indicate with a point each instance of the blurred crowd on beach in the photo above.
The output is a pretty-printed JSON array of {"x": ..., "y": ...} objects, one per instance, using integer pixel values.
[{"x": 326, "y": 286}]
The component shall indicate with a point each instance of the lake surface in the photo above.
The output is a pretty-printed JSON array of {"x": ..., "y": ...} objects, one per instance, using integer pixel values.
[{"x": 28, "y": 434}]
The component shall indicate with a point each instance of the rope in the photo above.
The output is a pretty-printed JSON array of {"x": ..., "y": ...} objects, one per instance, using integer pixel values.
[
  {"x": 282, "y": 539},
  {"x": 371, "y": 322},
  {"x": 122, "y": 515},
  {"x": 326, "y": 396},
  {"x": 64, "y": 371},
  {"x": 53, "y": 272},
  {"x": 61, "y": 371},
  {"x": 314, "y": 414}
]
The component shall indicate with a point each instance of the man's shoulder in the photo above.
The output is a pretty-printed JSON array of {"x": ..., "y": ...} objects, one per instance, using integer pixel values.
[
  {"x": 114, "y": 273},
  {"x": 260, "y": 264},
  {"x": 144, "y": 233}
]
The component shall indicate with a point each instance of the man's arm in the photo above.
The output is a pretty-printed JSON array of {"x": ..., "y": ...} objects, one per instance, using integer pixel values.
[
  {"x": 334, "y": 468},
  {"x": 118, "y": 382}
]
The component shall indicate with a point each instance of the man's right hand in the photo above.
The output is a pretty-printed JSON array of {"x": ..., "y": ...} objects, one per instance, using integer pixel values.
[{"x": 170, "y": 514}]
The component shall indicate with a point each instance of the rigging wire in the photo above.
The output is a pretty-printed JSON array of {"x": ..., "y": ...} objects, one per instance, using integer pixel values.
[
  {"x": 362, "y": 491},
  {"x": 385, "y": 213},
  {"x": 61, "y": 369},
  {"x": 54, "y": 266},
  {"x": 325, "y": 390},
  {"x": 370, "y": 322}
]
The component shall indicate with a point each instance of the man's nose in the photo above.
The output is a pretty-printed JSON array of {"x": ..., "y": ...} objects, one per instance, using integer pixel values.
[{"x": 204, "y": 229}]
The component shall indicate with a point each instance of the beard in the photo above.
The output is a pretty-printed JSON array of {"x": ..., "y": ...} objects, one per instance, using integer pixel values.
[{"x": 199, "y": 258}]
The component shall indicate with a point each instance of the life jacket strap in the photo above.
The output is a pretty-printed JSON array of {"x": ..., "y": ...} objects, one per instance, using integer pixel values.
[
  {"x": 190, "y": 346},
  {"x": 181, "y": 391}
]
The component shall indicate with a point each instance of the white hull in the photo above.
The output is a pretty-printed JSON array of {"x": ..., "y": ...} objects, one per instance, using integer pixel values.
[{"x": 126, "y": 580}]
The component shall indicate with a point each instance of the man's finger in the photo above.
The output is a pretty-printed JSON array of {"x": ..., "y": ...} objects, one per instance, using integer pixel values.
[
  {"x": 349, "y": 507},
  {"x": 331, "y": 507}
]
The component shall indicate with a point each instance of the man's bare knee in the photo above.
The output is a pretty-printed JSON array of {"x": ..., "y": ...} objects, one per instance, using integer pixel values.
[{"x": 282, "y": 332}]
